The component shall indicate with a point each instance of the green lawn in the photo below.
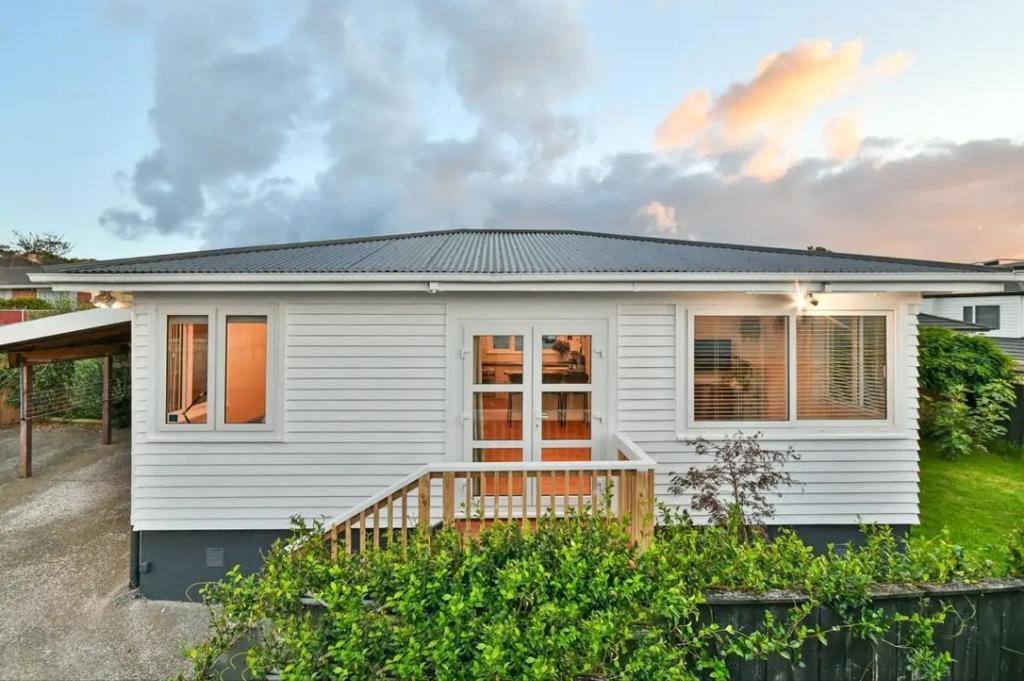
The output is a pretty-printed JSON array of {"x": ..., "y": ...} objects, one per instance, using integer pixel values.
[{"x": 980, "y": 498}]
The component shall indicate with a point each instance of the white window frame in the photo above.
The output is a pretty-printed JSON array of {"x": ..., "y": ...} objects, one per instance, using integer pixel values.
[
  {"x": 220, "y": 409},
  {"x": 688, "y": 427},
  {"x": 215, "y": 428}
]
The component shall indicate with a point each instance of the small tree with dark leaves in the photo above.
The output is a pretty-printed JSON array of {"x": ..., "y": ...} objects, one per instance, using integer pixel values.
[{"x": 735, "y": 487}]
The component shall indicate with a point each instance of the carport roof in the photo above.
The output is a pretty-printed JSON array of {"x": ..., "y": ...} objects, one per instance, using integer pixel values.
[{"x": 75, "y": 335}]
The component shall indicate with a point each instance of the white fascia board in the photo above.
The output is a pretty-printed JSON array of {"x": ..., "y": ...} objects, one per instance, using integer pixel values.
[
  {"x": 960, "y": 282},
  {"x": 304, "y": 277},
  {"x": 61, "y": 324}
]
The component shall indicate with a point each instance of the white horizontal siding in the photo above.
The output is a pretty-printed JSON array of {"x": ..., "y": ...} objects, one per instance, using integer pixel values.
[
  {"x": 1011, "y": 311},
  {"x": 365, "y": 402},
  {"x": 844, "y": 481},
  {"x": 363, "y": 406}
]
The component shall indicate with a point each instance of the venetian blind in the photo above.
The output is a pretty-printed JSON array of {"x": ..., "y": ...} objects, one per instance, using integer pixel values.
[
  {"x": 841, "y": 368},
  {"x": 740, "y": 368}
]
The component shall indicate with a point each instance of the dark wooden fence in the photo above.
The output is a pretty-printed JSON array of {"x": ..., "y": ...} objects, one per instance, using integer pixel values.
[
  {"x": 1015, "y": 426},
  {"x": 984, "y": 634}
]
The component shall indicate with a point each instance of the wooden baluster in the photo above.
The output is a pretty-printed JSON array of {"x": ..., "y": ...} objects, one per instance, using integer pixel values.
[
  {"x": 565, "y": 495},
  {"x": 579, "y": 492},
  {"x": 607, "y": 493},
  {"x": 621, "y": 501},
  {"x": 551, "y": 499},
  {"x": 376, "y": 526},
  {"x": 348, "y": 536},
  {"x": 391, "y": 519},
  {"x": 448, "y": 499},
  {"x": 508, "y": 496},
  {"x": 537, "y": 497},
  {"x": 495, "y": 484},
  {"x": 362, "y": 532},
  {"x": 525, "y": 510},
  {"x": 424, "y": 504},
  {"x": 405, "y": 517},
  {"x": 334, "y": 542},
  {"x": 469, "y": 507},
  {"x": 644, "y": 517}
]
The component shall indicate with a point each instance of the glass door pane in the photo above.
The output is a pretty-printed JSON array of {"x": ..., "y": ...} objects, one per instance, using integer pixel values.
[
  {"x": 564, "y": 399},
  {"x": 497, "y": 405}
]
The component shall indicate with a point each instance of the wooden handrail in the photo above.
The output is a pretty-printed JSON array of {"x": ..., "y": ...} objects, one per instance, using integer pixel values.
[{"x": 499, "y": 492}]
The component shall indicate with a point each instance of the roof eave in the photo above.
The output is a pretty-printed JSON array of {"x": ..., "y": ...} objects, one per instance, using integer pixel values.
[{"x": 755, "y": 281}]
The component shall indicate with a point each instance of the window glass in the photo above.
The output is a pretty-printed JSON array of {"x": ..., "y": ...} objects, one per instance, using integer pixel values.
[
  {"x": 841, "y": 367},
  {"x": 187, "y": 347},
  {"x": 969, "y": 314},
  {"x": 565, "y": 359},
  {"x": 740, "y": 368},
  {"x": 497, "y": 359},
  {"x": 987, "y": 315},
  {"x": 245, "y": 370},
  {"x": 565, "y": 415},
  {"x": 498, "y": 416}
]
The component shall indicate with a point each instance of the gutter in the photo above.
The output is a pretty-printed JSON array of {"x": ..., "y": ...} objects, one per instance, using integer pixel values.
[{"x": 960, "y": 282}]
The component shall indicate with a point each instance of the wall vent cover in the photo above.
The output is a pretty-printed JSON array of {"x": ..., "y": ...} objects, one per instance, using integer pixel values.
[{"x": 215, "y": 557}]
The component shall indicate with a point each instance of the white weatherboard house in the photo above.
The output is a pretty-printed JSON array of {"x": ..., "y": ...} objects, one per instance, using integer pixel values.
[
  {"x": 514, "y": 370},
  {"x": 997, "y": 314}
]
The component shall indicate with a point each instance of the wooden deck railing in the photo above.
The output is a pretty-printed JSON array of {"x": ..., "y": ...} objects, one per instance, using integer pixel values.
[{"x": 468, "y": 496}]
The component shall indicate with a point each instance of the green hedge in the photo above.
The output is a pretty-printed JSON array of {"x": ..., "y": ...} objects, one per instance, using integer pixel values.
[
  {"x": 966, "y": 385},
  {"x": 78, "y": 385},
  {"x": 570, "y": 600}
]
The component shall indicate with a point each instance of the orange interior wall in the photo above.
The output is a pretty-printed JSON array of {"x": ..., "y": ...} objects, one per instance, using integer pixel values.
[{"x": 246, "y": 373}]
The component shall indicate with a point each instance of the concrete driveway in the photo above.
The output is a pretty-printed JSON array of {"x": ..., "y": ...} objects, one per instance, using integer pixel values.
[{"x": 65, "y": 612}]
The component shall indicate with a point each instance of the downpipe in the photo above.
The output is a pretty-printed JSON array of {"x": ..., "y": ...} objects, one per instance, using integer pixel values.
[{"x": 133, "y": 560}]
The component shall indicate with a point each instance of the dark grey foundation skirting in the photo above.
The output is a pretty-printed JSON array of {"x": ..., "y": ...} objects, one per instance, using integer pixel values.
[
  {"x": 820, "y": 536},
  {"x": 174, "y": 564}
]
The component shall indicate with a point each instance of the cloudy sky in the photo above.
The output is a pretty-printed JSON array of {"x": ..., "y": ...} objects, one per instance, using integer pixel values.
[{"x": 879, "y": 127}]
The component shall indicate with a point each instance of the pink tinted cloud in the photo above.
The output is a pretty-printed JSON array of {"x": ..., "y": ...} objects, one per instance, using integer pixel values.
[
  {"x": 763, "y": 114},
  {"x": 842, "y": 137}
]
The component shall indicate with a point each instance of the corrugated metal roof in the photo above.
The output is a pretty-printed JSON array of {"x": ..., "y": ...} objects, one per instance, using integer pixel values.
[
  {"x": 1014, "y": 347},
  {"x": 511, "y": 252}
]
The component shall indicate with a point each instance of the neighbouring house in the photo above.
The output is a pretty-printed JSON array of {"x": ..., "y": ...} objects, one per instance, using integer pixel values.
[
  {"x": 463, "y": 375},
  {"x": 15, "y": 282},
  {"x": 1001, "y": 312}
]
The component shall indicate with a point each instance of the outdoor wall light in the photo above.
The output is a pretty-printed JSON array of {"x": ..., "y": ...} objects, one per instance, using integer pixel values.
[
  {"x": 803, "y": 299},
  {"x": 104, "y": 299}
]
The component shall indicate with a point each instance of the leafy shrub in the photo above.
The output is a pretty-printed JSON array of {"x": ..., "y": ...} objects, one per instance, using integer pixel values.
[
  {"x": 571, "y": 599},
  {"x": 25, "y": 304},
  {"x": 732, "y": 490},
  {"x": 967, "y": 391}
]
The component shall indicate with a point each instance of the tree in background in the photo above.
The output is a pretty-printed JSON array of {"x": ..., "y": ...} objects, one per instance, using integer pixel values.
[
  {"x": 966, "y": 385},
  {"x": 43, "y": 247}
]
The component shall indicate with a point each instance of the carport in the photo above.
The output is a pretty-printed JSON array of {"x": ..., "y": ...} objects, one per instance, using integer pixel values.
[{"x": 98, "y": 333}]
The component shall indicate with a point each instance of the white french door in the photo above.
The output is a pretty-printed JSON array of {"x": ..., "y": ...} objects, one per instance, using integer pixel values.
[{"x": 534, "y": 391}]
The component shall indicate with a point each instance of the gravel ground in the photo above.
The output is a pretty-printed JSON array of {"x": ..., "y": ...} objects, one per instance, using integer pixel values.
[{"x": 65, "y": 611}]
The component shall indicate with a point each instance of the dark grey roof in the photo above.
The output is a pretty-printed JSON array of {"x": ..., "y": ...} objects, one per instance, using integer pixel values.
[
  {"x": 512, "y": 252},
  {"x": 17, "y": 277},
  {"x": 926, "y": 319},
  {"x": 1014, "y": 347}
]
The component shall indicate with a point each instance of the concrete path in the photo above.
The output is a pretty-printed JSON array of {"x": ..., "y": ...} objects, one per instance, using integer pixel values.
[{"x": 65, "y": 612}]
